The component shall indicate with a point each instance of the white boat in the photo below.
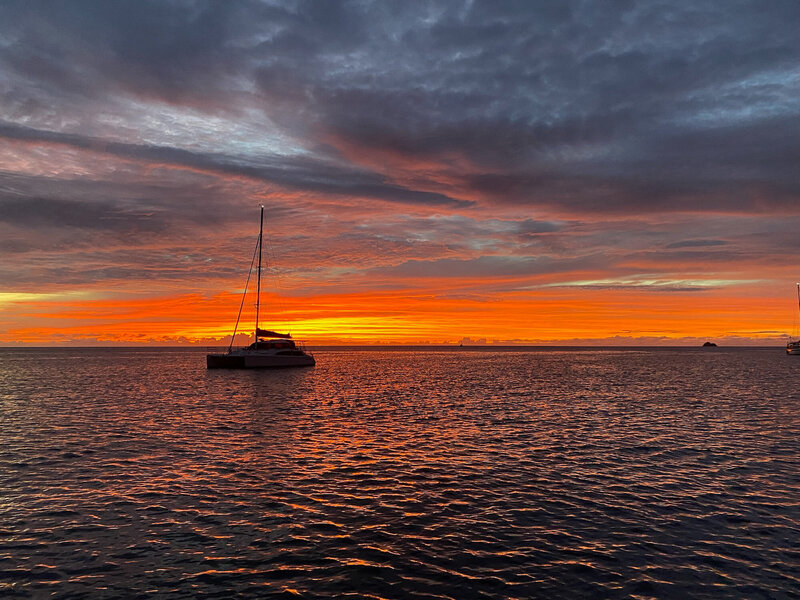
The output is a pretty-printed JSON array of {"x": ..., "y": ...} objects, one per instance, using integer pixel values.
[
  {"x": 263, "y": 354},
  {"x": 270, "y": 349},
  {"x": 794, "y": 347}
]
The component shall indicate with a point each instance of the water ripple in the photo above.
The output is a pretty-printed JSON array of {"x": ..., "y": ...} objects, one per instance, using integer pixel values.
[{"x": 569, "y": 474}]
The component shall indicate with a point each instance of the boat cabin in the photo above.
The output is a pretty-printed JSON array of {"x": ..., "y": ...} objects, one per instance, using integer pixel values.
[{"x": 272, "y": 345}]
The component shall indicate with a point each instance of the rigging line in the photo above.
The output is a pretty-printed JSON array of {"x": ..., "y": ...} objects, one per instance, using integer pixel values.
[
  {"x": 276, "y": 281},
  {"x": 244, "y": 294}
]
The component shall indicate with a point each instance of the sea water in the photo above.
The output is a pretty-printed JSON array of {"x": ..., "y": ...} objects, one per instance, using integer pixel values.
[{"x": 416, "y": 473}]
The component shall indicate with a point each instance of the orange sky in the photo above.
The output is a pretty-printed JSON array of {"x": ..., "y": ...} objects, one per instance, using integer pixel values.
[{"x": 547, "y": 316}]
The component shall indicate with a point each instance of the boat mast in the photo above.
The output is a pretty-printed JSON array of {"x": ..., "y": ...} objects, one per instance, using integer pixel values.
[{"x": 258, "y": 285}]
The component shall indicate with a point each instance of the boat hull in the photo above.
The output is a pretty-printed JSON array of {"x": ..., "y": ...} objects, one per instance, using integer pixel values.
[
  {"x": 795, "y": 350},
  {"x": 240, "y": 361}
]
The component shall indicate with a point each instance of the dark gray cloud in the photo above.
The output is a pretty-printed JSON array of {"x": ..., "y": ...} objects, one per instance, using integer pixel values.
[
  {"x": 174, "y": 50},
  {"x": 697, "y": 243},
  {"x": 651, "y": 92},
  {"x": 647, "y": 105},
  {"x": 131, "y": 206},
  {"x": 38, "y": 212},
  {"x": 544, "y": 100},
  {"x": 550, "y": 110}
]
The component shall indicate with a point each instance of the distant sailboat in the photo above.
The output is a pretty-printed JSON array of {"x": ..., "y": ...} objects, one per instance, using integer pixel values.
[
  {"x": 270, "y": 349},
  {"x": 794, "y": 347}
]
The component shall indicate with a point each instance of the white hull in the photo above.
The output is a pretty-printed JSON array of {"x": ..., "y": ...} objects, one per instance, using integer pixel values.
[
  {"x": 258, "y": 360},
  {"x": 267, "y": 362}
]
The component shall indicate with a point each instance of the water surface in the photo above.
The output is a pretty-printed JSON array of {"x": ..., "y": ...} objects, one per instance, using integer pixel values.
[{"x": 653, "y": 473}]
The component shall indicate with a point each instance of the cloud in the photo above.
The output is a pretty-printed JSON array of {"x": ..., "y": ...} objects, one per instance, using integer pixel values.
[
  {"x": 487, "y": 267},
  {"x": 38, "y": 212},
  {"x": 297, "y": 173},
  {"x": 697, "y": 243},
  {"x": 650, "y": 107}
]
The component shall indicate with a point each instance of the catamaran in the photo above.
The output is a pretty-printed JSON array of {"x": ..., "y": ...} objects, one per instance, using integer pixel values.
[
  {"x": 270, "y": 349},
  {"x": 794, "y": 347}
]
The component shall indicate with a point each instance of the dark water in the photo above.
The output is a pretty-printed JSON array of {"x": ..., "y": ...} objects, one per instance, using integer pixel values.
[{"x": 423, "y": 474}]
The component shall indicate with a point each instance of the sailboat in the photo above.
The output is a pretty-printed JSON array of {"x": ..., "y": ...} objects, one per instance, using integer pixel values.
[
  {"x": 270, "y": 349},
  {"x": 794, "y": 347}
]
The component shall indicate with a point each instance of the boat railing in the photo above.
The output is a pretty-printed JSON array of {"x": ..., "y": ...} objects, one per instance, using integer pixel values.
[
  {"x": 223, "y": 350},
  {"x": 302, "y": 346}
]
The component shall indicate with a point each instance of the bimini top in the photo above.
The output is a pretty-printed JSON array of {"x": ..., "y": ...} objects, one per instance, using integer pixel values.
[{"x": 265, "y": 333}]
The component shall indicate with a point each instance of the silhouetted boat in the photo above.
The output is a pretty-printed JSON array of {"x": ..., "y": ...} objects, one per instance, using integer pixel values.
[
  {"x": 270, "y": 349},
  {"x": 794, "y": 347}
]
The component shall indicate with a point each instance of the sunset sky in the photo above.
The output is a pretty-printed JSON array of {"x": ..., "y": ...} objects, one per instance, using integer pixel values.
[{"x": 540, "y": 172}]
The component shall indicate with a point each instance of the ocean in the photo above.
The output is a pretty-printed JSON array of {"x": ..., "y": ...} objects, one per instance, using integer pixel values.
[{"x": 401, "y": 473}]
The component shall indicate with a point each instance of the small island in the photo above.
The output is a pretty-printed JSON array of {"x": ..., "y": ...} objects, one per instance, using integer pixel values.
[{"x": 709, "y": 345}]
